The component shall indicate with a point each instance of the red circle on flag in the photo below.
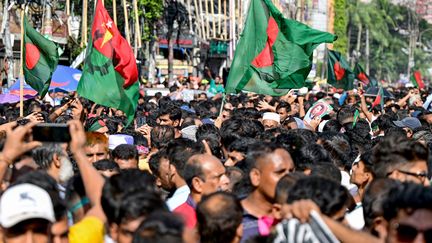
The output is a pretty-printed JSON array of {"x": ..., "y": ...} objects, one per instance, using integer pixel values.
[
  {"x": 339, "y": 71},
  {"x": 32, "y": 55}
]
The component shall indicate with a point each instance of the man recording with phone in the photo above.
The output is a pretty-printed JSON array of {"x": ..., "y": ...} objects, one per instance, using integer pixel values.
[{"x": 72, "y": 107}]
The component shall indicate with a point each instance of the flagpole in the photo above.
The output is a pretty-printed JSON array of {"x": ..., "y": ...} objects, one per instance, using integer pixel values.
[
  {"x": 137, "y": 25},
  {"x": 84, "y": 24},
  {"x": 115, "y": 12},
  {"x": 22, "y": 64},
  {"x": 126, "y": 22}
]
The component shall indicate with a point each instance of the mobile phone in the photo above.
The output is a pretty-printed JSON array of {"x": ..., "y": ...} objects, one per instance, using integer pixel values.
[
  {"x": 51, "y": 132},
  {"x": 294, "y": 92},
  {"x": 141, "y": 121}
]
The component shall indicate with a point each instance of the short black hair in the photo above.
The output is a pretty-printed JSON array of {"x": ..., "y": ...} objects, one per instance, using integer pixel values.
[
  {"x": 311, "y": 154},
  {"x": 106, "y": 164},
  {"x": 179, "y": 151},
  {"x": 235, "y": 128},
  {"x": 219, "y": 215},
  {"x": 345, "y": 114},
  {"x": 329, "y": 195},
  {"x": 393, "y": 152},
  {"x": 407, "y": 196},
  {"x": 285, "y": 105},
  {"x": 161, "y": 135},
  {"x": 131, "y": 194},
  {"x": 154, "y": 161},
  {"x": 374, "y": 197},
  {"x": 326, "y": 170},
  {"x": 174, "y": 112},
  {"x": 125, "y": 151},
  {"x": 160, "y": 227},
  {"x": 285, "y": 184}
]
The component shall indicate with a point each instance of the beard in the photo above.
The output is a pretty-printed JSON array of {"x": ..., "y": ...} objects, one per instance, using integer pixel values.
[{"x": 66, "y": 170}]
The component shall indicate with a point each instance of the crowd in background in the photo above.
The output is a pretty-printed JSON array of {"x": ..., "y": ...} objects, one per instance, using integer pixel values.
[{"x": 208, "y": 167}]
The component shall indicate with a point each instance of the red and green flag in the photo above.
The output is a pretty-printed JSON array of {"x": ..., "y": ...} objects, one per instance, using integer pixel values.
[
  {"x": 339, "y": 74},
  {"x": 379, "y": 100},
  {"x": 361, "y": 75},
  {"x": 416, "y": 80},
  {"x": 40, "y": 59},
  {"x": 110, "y": 72},
  {"x": 274, "y": 54}
]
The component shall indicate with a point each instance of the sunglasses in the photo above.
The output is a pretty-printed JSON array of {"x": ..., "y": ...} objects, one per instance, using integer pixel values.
[{"x": 407, "y": 233}]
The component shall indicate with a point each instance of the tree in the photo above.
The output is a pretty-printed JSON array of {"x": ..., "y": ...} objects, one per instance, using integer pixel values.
[{"x": 340, "y": 26}]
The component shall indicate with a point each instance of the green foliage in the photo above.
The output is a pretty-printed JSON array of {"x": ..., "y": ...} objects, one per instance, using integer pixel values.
[
  {"x": 340, "y": 26},
  {"x": 151, "y": 11},
  {"x": 388, "y": 38}
]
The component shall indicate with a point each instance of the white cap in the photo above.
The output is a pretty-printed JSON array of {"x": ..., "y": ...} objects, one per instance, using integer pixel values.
[
  {"x": 189, "y": 132},
  {"x": 25, "y": 201},
  {"x": 271, "y": 116},
  {"x": 118, "y": 139}
]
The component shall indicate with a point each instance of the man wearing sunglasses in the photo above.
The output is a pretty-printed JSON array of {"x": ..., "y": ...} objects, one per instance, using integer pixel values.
[
  {"x": 408, "y": 211},
  {"x": 401, "y": 159}
]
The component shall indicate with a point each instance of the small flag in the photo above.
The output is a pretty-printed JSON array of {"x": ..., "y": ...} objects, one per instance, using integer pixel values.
[
  {"x": 274, "y": 54},
  {"x": 361, "y": 75},
  {"x": 379, "y": 100},
  {"x": 416, "y": 80},
  {"x": 339, "y": 74},
  {"x": 356, "y": 116},
  {"x": 40, "y": 59}
]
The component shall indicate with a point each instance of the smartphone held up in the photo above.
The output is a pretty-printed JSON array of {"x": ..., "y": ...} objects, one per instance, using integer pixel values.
[{"x": 51, "y": 132}]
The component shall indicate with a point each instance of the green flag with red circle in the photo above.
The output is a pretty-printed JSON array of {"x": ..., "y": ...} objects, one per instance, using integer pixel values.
[
  {"x": 339, "y": 73},
  {"x": 274, "y": 54},
  {"x": 40, "y": 59}
]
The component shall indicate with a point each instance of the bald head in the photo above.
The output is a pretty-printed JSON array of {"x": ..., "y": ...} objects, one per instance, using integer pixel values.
[{"x": 205, "y": 174}]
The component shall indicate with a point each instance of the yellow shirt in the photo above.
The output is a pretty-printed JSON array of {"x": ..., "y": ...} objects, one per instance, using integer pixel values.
[{"x": 88, "y": 230}]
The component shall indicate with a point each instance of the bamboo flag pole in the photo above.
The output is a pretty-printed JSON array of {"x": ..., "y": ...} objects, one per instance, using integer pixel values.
[
  {"x": 126, "y": 22},
  {"x": 137, "y": 25},
  {"x": 115, "y": 12},
  {"x": 198, "y": 16},
  {"x": 67, "y": 8},
  {"x": 225, "y": 20},
  {"x": 22, "y": 64},
  {"x": 202, "y": 19},
  {"x": 84, "y": 24},
  {"x": 213, "y": 18},
  {"x": 219, "y": 18}
]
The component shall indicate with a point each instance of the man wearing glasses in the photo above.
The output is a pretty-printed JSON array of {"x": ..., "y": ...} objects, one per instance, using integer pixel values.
[
  {"x": 401, "y": 159},
  {"x": 408, "y": 211}
]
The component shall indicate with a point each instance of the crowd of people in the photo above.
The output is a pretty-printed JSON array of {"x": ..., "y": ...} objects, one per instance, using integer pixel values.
[{"x": 220, "y": 168}]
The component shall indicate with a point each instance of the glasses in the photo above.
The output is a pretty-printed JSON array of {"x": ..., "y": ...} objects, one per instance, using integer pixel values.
[
  {"x": 407, "y": 233},
  {"x": 422, "y": 175}
]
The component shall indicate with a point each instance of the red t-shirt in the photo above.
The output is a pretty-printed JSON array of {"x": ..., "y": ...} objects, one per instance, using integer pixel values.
[{"x": 188, "y": 213}]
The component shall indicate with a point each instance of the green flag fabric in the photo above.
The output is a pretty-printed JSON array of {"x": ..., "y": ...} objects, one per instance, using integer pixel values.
[
  {"x": 416, "y": 80},
  {"x": 273, "y": 54},
  {"x": 110, "y": 73},
  {"x": 339, "y": 74},
  {"x": 40, "y": 59},
  {"x": 361, "y": 75},
  {"x": 379, "y": 100}
]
